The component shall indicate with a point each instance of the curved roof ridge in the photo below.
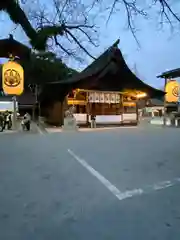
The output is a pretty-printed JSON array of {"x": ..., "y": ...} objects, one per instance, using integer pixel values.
[{"x": 110, "y": 71}]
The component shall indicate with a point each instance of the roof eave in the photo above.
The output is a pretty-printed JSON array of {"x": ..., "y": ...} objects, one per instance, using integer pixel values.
[{"x": 170, "y": 74}]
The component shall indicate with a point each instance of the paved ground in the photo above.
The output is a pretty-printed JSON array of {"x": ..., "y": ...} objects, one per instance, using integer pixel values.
[
  {"x": 84, "y": 129},
  {"x": 106, "y": 185},
  {"x": 34, "y": 129}
]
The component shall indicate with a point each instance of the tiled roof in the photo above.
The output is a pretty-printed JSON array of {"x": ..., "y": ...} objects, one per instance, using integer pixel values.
[{"x": 109, "y": 72}]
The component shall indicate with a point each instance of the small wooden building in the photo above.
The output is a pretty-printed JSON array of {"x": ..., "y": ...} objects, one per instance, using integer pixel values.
[{"x": 107, "y": 89}]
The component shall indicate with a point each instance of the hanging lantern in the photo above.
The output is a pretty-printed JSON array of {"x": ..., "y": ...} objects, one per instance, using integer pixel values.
[
  {"x": 12, "y": 78},
  {"x": 172, "y": 90}
]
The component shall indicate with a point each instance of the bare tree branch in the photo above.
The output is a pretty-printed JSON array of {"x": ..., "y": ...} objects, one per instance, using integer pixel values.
[
  {"x": 132, "y": 9},
  {"x": 166, "y": 6},
  {"x": 58, "y": 11},
  {"x": 46, "y": 28},
  {"x": 88, "y": 36},
  {"x": 60, "y": 26},
  {"x": 69, "y": 52},
  {"x": 54, "y": 20},
  {"x": 133, "y": 6},
  {"x": 78, "y": 43}
]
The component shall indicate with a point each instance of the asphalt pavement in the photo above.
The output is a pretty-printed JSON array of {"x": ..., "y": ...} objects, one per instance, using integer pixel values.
[
  {"x": 35, "y": 129},
  {"x": 105, "y": 185}
]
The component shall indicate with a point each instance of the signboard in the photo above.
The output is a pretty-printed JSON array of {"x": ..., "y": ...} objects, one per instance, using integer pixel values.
[
  {"x": 12, "y": 78},
  {"x": 172, "y": 90}
]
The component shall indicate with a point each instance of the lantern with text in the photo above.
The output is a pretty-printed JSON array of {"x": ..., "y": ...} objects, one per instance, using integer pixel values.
[
  {"x": 172, "y": 91},
  {"x": 12, "y": 78}
]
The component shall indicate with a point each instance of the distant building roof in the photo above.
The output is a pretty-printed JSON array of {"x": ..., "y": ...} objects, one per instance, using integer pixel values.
[
  {"x": 11, "y": 46},
  {"x": 5, "y": 98},
  {"x": 170, "y": 74},
  {"x": 27, "y": 98}
]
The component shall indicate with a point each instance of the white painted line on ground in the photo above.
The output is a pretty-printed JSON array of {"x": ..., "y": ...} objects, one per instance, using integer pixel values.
[{"x": 115, "y": 191}]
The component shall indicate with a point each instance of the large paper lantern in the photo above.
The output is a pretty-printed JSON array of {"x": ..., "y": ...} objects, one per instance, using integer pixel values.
[
  {"x": 12, "y": 78},
  {"x": 172, "y": 91}
]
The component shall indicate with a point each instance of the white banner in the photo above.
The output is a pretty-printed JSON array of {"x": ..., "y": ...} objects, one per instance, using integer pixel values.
[
  {"x": 106, "y": 98},
  {"x": 102, "y": 98},
  {"x": 97, "y": 97},
  {"x": 113, "y": 97},
  {"x": 91, "y": 97},
  {"x": 117, "y": 98}
]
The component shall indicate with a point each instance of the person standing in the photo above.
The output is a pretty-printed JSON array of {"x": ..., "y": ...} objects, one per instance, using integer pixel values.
[
  {"x": 10, "y": 120},
  {"x": 6, "y": 119},
  {"x": 1, "y": 122},
  {"x": 27, "y": 121},
  {"x": 93, "y": 121}
]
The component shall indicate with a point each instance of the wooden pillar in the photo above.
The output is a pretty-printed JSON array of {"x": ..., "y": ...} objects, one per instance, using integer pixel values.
[
  {"x": 33, "y": 111},
  {"x": 122, "y": 105},
  {"x": 87, "y": 108},
  {"x": 165, "y": 113},
  {"x": 137, "y": 112},
  {"x": 56, "y": 114},
  {"x": 93, "y": 108},
  {"x": 64, "y": 107}
]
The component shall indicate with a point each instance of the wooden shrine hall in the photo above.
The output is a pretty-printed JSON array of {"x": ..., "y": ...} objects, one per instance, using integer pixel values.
[{"x": 107, "y": 88}]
